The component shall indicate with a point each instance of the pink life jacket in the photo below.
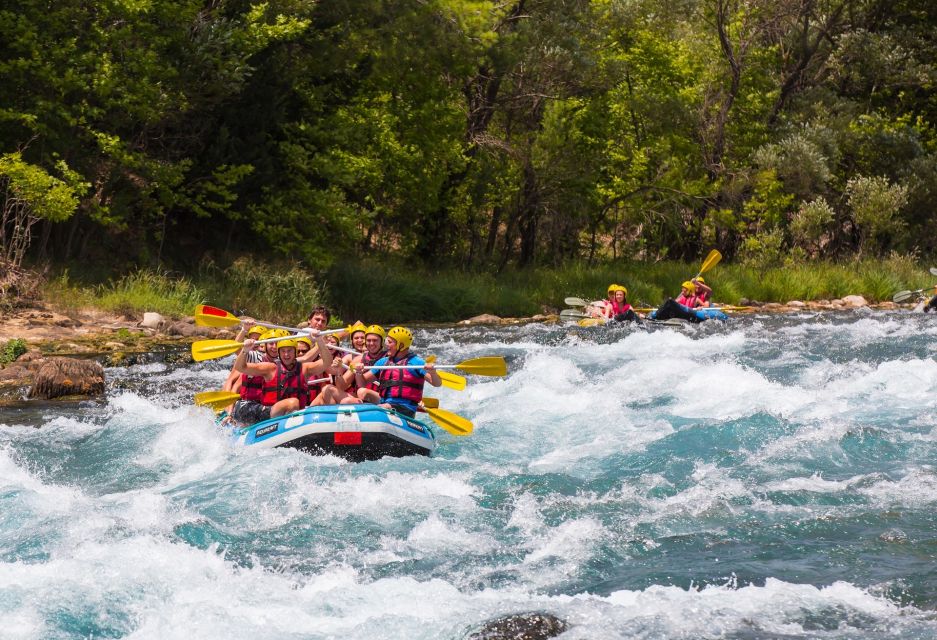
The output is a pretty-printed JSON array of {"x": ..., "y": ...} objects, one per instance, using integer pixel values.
[
  {"x": 687, "y": 301},
  {"x": 405, "y": 384},
  {"x": 618, "y": 309}
]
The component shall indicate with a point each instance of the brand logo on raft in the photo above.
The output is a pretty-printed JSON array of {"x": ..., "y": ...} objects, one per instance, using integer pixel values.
[{"x": 268, "y": 429}]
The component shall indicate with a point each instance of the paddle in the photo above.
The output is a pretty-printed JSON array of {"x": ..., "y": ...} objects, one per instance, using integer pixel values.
[
  {"x": 711, "y": 261},
  {"x": 451, "y": 422},
  {"x": 208, "y": 316},
  {"x": 450, "y": 380},
  {"x": 486, "y": 366},
  {"x": 573, "y": 314},
  {"x": 904, "y": 296},
  {"x": 576, "y": 302},
  {"x": 933, "y": 271},
  {"x": 217, "y": 400},
  {"x": 210, "y": 349}
]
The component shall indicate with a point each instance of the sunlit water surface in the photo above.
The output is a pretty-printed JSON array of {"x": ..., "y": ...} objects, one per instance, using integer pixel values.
[{"x": 766, "y": 478}]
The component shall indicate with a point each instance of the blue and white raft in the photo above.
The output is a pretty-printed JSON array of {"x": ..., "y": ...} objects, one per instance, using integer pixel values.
[{"x": 355, "y": 432}]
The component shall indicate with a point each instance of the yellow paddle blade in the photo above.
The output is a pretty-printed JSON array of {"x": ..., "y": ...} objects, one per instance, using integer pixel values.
[
  {"x": 208, "y": 320},
  {"x": 452, "y": 380},
  {"x": 487, "y": 366},
  {"x": 430, "y": 403},
  {"x": 591, "y": 322},
  {"x": 209, "y": 349},
  {"x": 209, "y": 316},
  {"x": 711, "y": 261},
  {"x": 451, "y": 422},
  {"x": 217, "y": 400}
]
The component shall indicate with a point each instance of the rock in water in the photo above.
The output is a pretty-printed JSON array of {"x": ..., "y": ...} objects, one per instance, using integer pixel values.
[
  {"x": 59, "y": 377},
  {"x": 524, "y": 626}
]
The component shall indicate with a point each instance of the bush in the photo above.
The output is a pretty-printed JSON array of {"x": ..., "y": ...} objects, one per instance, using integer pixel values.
[{"x": 12, "y": 349}]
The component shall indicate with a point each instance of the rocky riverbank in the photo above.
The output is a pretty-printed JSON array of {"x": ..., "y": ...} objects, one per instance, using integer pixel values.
[{"x": 91, "y": 334}]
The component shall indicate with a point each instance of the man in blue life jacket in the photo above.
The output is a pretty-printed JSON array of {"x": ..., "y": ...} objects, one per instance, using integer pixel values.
[{"x": 400, "y": 389}]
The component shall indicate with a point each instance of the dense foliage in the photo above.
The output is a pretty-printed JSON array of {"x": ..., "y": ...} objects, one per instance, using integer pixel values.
[{"x": 466, "y": 133}]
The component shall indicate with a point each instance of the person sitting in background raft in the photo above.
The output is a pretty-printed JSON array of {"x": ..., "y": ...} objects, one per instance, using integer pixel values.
[
  {"x": 400, "y": 389},
  {"x": 687, "y": 295},
  {"x": 704, "y": 293},
  {"x": 617, "y": 307}
]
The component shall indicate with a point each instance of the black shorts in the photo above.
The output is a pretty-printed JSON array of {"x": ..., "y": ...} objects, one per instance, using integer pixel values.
[{"x": 249, "y": 412}]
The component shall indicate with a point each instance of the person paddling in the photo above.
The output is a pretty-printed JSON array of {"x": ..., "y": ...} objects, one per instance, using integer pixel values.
[
  {"x": 400, "y": 389},
  {"x": 704, "y": 293},
  {"x": 284, "y": 382}
]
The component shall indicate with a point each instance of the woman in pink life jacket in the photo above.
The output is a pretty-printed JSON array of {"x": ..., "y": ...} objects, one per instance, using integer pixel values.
[
  {"x": 617, "y": 306},
  {"x": 687, "y": 295}
]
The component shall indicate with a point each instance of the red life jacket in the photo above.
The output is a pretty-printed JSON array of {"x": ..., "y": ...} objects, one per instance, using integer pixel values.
[
  {"x": 287, "y": 384},
  {"x": 617, "y": 308},
  {"x": 401, "y": 383},
  {"x": 252, "y": 387}
]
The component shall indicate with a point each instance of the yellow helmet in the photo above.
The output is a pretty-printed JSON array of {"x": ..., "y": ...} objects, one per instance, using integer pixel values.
[
  {"x": 356, "y": 327},
  {"x": 700, "y": 279},
  {"x": 612, "y": 288},
  {"x": 289, "y": 342},
  {"x": 304, "y": 340},
  {"x": 259, "y": 329},
  {"x": 377, "y": 330},
  {"x": 689, "y": 286},
  {"x": 401, "y": 336},
  {"x": 270, "y": 333}
]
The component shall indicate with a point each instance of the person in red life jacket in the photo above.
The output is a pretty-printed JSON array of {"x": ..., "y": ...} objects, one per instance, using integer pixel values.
[
  {"x": 617, "y": 307},
  {"x": 687, "y": 295},
  {"x": 284, "y": 388},
  {"x": 248, "y": 330},
  {"x": 373, "y": 351},
  {"x": 400, "y": 389},
  {"x": 704, "y": 293}
]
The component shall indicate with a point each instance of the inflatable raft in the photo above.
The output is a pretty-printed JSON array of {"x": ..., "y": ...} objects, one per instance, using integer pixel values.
[
  {"x": 673, "y": 309},
  {"x": 356, "y": 432}
]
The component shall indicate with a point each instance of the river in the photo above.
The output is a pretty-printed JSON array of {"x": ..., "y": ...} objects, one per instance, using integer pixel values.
[{"x": 771, "y": 477}]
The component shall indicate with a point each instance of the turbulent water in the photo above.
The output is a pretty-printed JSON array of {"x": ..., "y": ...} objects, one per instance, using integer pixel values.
[{"x": 765, "y": 478}]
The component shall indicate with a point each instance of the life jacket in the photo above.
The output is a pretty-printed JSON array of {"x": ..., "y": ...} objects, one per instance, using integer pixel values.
[
  {"x": 286, "y": 384},
  {"x": 368, "y": 361},
  {"x": 702, "y": 296},
  {"x": 312, "y": 390},
  {"x": 252, "y": 387},
  {"x": 403, "y": 384},
  {"x": 687, "y": 301},
  {"x": 618, "y": 309}
]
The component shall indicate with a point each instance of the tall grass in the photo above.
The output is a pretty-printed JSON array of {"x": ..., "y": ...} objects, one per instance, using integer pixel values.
[
  {"x": 392, "y": 292},
  {"x": 134, "y": 293},
  {"x": 387, "y": 292}
]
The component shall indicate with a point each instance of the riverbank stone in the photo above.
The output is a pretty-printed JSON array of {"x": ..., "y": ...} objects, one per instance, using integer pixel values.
[
  {"x": 855, "y": 301},
  {"x": 59, "y": 377},
  {"x": 152, "y": 320},
  {"x": 485, "y": 318}
]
